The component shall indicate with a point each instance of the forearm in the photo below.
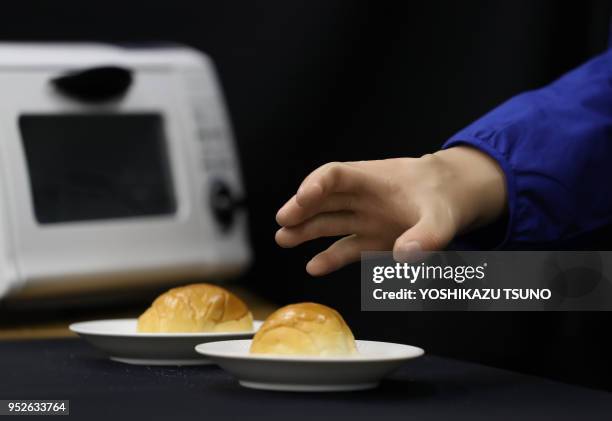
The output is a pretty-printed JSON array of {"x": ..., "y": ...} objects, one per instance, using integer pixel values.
[{"x": 555, "y": 149}]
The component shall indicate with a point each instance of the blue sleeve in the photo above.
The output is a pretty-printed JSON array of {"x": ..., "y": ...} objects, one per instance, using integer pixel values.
[{"x": 554, "y": 145}]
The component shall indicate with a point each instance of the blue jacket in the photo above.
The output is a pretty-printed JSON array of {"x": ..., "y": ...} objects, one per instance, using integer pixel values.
[{"x": 554, "y": 145}]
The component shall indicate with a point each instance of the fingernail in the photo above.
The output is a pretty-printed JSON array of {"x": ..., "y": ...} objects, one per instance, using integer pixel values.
[
  {"x": 277, "y": 236},
  {"x": 279, "y": 216},
  {"x": 311, "y": 268},
  {"x": 409, "y": 251}
]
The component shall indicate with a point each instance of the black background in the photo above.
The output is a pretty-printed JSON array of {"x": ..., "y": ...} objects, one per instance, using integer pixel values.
[{"x": 314, "y": 81}]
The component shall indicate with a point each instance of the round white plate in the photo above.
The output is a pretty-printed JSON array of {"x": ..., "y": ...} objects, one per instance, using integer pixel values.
[
  {"x": 308, "y": 373},
  {"x": 120, "y": 340}
]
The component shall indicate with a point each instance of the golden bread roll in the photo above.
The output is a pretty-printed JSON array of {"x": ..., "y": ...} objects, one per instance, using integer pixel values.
[
  {"x": 196, "y": 308},
  {"x": 304, "y": 328}
]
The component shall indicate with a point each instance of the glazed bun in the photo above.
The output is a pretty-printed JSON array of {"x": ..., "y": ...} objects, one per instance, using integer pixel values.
[
  {"x": 305, "y": 328},
  {"x": 196, "y": 308}
]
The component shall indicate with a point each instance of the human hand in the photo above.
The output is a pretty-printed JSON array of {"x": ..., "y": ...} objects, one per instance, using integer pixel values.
[{"x": 408, "y": 205}]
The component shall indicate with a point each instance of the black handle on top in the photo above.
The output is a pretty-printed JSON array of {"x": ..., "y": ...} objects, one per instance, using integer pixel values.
[{"x": 94, "y": 84}]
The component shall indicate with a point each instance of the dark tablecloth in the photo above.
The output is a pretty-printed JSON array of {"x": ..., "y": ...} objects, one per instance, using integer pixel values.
[{"x": 429, "y": 388}]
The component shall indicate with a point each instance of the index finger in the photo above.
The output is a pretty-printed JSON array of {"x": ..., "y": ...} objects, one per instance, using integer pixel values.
[{"x": 334, "y": 177}]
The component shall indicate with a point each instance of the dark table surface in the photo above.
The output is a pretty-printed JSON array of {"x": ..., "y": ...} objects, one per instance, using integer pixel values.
[{"x": 429, "y": 388}]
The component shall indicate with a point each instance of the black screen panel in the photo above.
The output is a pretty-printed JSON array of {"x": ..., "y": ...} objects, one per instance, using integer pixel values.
[{"x": 97, "y": 166}]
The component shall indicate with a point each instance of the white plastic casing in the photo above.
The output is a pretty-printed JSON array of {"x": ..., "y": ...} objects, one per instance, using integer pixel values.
[{"x": 178, "y": 82}]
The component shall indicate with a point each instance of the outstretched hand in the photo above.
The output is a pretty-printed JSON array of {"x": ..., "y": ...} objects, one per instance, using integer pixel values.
[{"x": 408, "y": 205}]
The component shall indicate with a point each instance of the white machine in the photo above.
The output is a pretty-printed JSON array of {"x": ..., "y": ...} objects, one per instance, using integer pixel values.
[{"x": 117, "y": 167}]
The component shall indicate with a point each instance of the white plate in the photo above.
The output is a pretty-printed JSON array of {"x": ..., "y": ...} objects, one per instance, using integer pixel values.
[
  {"x": 120, "y": 340},
  {"x": 308, "y": 373}
]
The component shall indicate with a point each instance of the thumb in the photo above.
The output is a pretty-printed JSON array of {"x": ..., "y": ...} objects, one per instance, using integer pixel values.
[{"x": 427, "y": 235}]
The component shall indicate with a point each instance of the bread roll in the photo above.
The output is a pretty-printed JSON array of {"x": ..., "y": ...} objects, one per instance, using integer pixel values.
[
  {"x": 305, "y": 328},
  {"x": 196, "y": 308}
]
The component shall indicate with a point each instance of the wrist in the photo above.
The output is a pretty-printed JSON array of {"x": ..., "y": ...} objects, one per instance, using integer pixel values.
[{"x": 478, "y": 192}]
